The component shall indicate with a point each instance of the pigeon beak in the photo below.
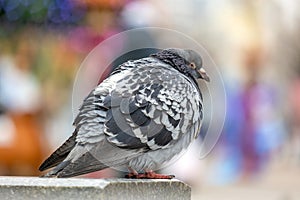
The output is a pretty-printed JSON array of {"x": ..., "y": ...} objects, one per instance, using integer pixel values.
[{"x": 204, "y": 75}]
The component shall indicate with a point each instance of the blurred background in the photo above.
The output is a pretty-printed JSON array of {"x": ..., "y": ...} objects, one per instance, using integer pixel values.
[{"x": 255, "y": 44}]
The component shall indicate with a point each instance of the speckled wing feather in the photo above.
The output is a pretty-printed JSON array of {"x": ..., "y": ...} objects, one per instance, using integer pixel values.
[{"x": 151, "y": 107}]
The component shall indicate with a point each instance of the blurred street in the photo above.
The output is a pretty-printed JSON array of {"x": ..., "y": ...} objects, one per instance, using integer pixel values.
[{"x": 279, "y": 183}]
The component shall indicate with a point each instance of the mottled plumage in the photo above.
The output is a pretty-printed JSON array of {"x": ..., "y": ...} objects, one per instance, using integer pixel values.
[{"x": 145, "y": 113}]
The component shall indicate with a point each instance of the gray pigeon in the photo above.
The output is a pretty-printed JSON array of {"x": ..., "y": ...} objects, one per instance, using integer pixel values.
[{"x": 145, "y": 113}]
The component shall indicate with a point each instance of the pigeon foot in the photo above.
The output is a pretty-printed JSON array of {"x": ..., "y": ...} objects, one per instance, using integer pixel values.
[{"x": 149, "y": 175}]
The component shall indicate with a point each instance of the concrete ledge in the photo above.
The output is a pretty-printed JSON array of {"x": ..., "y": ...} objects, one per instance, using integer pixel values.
[{"x": 101, "y": 189}]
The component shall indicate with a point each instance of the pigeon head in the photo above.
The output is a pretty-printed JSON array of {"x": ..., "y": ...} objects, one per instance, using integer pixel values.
[
  {"x": 193, "y": 63},
  {"x": 187, "y": 61}
]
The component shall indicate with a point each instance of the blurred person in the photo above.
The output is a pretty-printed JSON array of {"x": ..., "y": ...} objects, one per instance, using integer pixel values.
[
  {"x": 262, "y": 130},
  {"x": 253, "y": 129},
  {"x": 20, "y": 142}
]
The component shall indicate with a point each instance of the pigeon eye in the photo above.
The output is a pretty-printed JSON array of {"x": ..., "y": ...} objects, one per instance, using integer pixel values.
[{"x": 192, "y": 65}]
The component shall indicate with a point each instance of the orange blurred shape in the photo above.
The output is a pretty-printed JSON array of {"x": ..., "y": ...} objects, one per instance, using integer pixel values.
[{"x": 23, "y": 153}]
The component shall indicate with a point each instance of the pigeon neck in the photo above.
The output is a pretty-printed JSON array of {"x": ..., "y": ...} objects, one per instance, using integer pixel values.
[
  {"x": 176, "y": 62},
  {"x": 172, "y": 59}
]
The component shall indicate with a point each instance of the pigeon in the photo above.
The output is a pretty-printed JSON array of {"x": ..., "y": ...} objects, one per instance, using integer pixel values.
[{"x": 146, "y": 112}]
